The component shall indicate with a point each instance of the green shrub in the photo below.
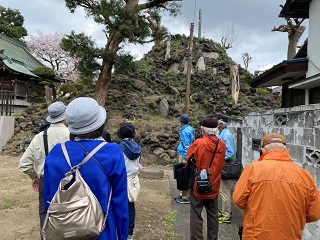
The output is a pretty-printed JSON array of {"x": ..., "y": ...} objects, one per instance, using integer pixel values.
[
  {"x": 68, "y": 88},
  {"x": 262, "y": 91},
  {"x": 144, "y": 67},
  {"x": 124, "y": 64},
  {"x": 79, "y": 86}
]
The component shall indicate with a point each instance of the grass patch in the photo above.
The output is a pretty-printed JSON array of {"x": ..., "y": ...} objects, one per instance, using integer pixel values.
[
  {"x": 6, "y": 204},
  {"x": 170, "y": 220}
]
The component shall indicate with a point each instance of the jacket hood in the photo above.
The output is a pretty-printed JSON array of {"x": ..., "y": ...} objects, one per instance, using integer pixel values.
[
  {"x": 131, "y": 149},
  {"x": 211, "y": 140}
]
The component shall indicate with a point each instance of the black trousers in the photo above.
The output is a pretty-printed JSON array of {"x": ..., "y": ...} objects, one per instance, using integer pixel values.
[
  {"x": 42, "y": 209},
  {"x": 196, "y": 221}
]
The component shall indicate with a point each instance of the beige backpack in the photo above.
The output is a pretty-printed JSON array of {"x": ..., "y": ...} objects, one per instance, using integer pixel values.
[{"x": 75, "y": 213}]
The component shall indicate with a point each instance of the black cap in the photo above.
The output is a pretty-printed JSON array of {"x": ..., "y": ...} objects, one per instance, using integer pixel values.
[
  {"x": 209, "y": 122},
  {"x": 127, "y": 130}
]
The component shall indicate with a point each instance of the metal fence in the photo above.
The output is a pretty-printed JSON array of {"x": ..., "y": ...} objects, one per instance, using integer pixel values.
[{"x": 6, "y": 103}]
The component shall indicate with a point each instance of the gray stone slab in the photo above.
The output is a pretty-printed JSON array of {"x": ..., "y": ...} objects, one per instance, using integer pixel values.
[
  {"x": 151, "y": 173},
  {"x": 297, "y": 152}
]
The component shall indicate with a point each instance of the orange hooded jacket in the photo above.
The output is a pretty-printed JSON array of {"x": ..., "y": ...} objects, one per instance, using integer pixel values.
[
  {"x": 202, "y": 150},
  {"x": 278, "y": 198}
]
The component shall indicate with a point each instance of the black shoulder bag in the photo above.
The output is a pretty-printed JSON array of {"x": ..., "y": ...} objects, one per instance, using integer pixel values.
[
  {"x": 232, "y": 169},
  {"x": 203, "y": 185}
]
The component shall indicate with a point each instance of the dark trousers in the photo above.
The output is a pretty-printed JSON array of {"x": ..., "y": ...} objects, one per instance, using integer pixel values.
[
  {"x": 42, "y": 209},
  {"x": 196, "y": 221},
  {"x": 132, "y": 217}
]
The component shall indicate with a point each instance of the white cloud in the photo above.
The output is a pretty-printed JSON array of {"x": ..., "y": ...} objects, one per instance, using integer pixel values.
[{"x": 253, "y": 18}]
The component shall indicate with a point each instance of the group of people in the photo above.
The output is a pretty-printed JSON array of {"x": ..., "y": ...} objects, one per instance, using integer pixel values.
[
  {"x": 81, "y": 125},
  {"x": 278, "y": 197}
]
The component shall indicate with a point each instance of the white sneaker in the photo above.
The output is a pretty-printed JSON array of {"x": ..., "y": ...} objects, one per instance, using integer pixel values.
[{"x": 130, "y": 237}]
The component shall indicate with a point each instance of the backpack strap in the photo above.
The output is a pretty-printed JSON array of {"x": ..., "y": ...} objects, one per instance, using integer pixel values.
[
  {"x": 45, "y": 141},
  {"x": 88, "y": 156},
  {"x": 96, "y": 149}
]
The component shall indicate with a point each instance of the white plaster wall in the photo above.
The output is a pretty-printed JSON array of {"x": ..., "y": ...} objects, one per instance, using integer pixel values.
[
  {"x": 314, "y": 38},
  {"x": 301, "y": 127},
  {"x": 6, "y": 129}
]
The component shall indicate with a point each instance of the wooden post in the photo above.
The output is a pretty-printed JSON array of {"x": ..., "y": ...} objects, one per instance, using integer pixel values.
[
  {"x": 235, "y": 84},
  {"x": 48, "y": 94},
  {"x": 200, "y": 22},
  {"x": 187, "y": 95}
]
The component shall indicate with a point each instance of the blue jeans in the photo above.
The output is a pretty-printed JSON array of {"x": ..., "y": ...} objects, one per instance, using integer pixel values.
[{"x": 132, "y": 217}]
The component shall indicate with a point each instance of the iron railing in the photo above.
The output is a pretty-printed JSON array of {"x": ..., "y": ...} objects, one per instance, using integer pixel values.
[{"x": 6, "y": 103}]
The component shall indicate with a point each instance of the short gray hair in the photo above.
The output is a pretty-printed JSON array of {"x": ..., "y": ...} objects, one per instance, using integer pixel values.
[
  {"x": 224, "y": 124},
  {"x": 274, "y": 147},
  {"x": 210, "y": 131}
]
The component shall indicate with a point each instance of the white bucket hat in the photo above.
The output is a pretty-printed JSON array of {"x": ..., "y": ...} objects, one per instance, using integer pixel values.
[
  {"x": 84, "y": 115},
  {"x": 56, "y": 112}
]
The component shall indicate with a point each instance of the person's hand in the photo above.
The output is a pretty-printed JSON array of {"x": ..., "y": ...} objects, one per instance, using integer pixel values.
[
  {"x": 184, "y": 162},
  {"x": 35, "y": 184}
]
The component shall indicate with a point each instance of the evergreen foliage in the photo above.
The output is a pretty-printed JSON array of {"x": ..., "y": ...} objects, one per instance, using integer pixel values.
[
  {"x": 11, "y": 23},
  {"x": 124, "y": 21},
  {"x": 124, "y": 64}
]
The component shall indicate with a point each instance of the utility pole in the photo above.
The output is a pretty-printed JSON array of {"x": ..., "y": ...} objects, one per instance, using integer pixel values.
[
  {"x": 189, "y": 70},
  {"x": 200, "y": 22}
]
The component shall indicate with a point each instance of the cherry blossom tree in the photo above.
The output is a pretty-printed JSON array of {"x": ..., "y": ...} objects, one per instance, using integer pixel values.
[{"x": 46, "y": 47}]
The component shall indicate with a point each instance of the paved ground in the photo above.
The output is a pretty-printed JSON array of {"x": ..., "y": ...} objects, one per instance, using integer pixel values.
[{"x": 226, "y": 231}]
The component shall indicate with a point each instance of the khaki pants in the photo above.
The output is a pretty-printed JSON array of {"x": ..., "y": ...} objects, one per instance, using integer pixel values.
[
  {"x": 225, "y": 194},
  {"x": 183, "y": 193},
  {"x": 196, "y": 221}
]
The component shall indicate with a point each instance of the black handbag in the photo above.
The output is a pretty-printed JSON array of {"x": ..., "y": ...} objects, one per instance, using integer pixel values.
[
  {"x": 232, "y": 169},
  {"x": 182, "y": 175}
]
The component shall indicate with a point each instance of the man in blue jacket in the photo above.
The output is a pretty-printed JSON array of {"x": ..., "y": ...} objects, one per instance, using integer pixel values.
[
  {"x": 187, "y": 136},
  {"x": 226, "y": 135}
]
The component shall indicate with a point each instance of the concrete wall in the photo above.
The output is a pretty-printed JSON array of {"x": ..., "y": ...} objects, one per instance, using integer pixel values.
[
  {"x": 313, "y": 38},
  {"x": 301, "y": 127},
  {"x": 6, "y": 129}
]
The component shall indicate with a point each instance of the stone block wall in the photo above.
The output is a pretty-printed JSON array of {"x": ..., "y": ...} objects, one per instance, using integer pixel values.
[{"x": 301, "y": 127}]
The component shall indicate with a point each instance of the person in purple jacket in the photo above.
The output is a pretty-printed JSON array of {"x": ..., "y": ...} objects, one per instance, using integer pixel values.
[{"x": 86, "y": 121}]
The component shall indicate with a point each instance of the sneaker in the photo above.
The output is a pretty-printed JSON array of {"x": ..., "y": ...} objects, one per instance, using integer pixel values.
[
  {"x": 183, "y": 200},
  {"x": 177, "y": 198},
  {"x": 224, "y": 219},
  {"x": 130, "y": 237},
  {"x": 220, "y": 215}
]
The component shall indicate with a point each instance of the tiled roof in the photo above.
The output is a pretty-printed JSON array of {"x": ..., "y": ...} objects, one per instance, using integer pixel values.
[
  {"x": 18, "y": 67},
  {"x": 16, "y": 56}
]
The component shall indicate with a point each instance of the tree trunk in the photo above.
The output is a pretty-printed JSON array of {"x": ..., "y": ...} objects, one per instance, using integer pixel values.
[
  {"x": 110, "y": 51},
  {"x": 100, "y": 93},
  {"x": 294, "y": 36}
]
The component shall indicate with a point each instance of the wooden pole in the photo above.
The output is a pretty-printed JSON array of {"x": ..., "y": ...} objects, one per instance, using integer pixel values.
[
  {"x": 189, "y": 70},
  {"x": 200, "y": 22}
]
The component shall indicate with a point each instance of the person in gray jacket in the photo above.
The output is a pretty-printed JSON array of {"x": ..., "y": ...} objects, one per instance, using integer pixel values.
[{"x": 32, "y": 161}]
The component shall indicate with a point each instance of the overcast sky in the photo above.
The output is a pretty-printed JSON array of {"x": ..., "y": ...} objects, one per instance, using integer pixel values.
[{"x": 252, "y": 19}]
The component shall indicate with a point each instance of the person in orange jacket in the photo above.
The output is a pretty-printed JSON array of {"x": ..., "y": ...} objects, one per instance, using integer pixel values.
[
  {"x": 278, "y": 196},
  {"x": 202, "y": 150}
]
